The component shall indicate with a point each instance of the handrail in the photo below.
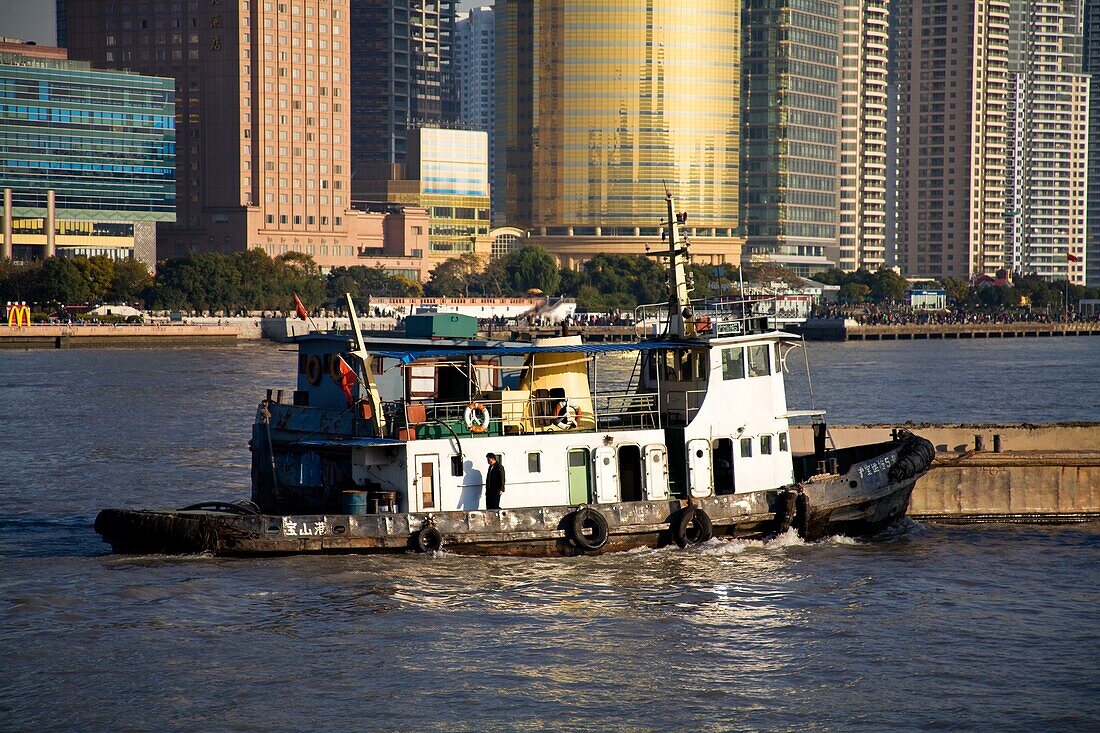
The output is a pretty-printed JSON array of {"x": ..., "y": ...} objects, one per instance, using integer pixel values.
[{"x": 714, "y": 317}]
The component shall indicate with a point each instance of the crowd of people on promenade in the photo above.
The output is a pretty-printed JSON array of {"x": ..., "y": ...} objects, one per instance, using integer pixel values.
[{"x": 904, "y": 315}]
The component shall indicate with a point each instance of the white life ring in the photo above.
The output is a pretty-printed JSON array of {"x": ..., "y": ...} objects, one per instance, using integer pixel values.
[
  {"x": 476, "y": 417},
  {"x": 566, "y": 416}
]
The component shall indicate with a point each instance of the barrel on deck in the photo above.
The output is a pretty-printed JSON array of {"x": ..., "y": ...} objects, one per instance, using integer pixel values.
[{"x": 355, "y": 502}]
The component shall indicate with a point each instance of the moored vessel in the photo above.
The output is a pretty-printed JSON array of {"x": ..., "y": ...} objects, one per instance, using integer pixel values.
[{"x": 380, "y": 447}]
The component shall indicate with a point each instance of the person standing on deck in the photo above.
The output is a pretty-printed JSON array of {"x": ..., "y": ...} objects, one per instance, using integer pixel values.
[{"x": 494, "y": 482}]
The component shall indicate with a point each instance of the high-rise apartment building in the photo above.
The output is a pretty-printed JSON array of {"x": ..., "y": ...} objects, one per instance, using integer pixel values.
[
  {"x": 1091, "y": 66},
  {"x": 263, "y": 118},
  {"x": 402, "y": 64},
  {"x": 601, "y": 105},
  {"x": 88, "y": 164},
  {"x": 864, "y": 47},
  {"x": 475, "y": 72},
  {"x": 1048, "y": 141},
  {"x": 790, "y": 156},
  {"x": 953, "y": 98}
]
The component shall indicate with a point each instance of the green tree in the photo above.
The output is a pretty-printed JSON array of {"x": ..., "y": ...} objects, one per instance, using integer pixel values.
[
  {"x": 624, "y": 281},
  {"x": 887, "y": 285},
  {"x": 260, "y": 287},
  {"x": 206, "y": 281},
  {"x": 452, "y": 277},
  {"x": 129, "y": 280},
  {"x": 854, "y": 293},
  {"x": 63, "y": 282},
  {"x": 98, "y": 272},
  {"x": 957, "y": 290},
  {"x": 366, "y": 282},
  {"x": 532, "y": 267}
]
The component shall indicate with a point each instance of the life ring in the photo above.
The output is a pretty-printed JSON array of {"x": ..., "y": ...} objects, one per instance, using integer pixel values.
[
  {"x": 313, "y": 370},
  {"x": 691, "y": 527},
  {"x": 566, "y": 416},
  {"x": 587, "y": 518},
  {"x": 429, "y": 539},
  {"x": 334, "y": 368},
  {"x": 476, "y": 417}
]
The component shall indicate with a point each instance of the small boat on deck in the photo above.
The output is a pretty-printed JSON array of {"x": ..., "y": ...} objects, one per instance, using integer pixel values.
[{"x": 380, "y": 446}]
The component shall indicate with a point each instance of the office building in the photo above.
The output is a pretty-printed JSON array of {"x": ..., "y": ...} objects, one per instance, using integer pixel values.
[
  {"x": 401, "y": 56},
  {"x": 88, "y": 164},
  {"x": 790, "y": 182},
  {"x": 263, "y": 120},
  {"x": 475, "y": 73},
  {"x": 445, "y": 173},
  {"x": 1048, "y": 141},
  {"x": 864, "y": 48},
  {"x": 594, "y": 124},
  {"x": 953, "y": 97},
  {"x": 1091, "y": 65}
]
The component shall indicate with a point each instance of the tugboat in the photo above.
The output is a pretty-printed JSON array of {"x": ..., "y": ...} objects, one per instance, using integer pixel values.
[{"x": 379, "y": 449}]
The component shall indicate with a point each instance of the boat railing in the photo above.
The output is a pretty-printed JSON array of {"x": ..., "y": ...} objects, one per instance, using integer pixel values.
[
  {"x": 682, "y": 406},
  {"x": 620, "y": 409},
  {"x": 713, "y": 317}
]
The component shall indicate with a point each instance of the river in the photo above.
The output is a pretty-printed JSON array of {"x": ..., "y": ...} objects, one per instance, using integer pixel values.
[{"x": 927, "y": 628}]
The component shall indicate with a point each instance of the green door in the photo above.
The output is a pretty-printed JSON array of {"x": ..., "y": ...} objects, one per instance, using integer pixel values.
[{"x": 579, "y": 479}]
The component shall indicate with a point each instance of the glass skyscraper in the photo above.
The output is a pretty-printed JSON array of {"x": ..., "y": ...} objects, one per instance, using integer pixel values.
[
  {"x": 602, "y": 104},
  {"x": 83, "y": 145}
]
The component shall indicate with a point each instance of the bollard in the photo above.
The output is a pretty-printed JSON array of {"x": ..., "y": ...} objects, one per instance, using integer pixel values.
[
  {"x": 979, "y": 443},
  {"x": 996, "y": 443}
]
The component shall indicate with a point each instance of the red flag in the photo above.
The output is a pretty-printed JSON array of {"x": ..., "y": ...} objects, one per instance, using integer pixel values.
[
  {"x": 1072, "y": 257},
  {"x": 299, "y": 308},
  {"x": 347, "y": 379}
]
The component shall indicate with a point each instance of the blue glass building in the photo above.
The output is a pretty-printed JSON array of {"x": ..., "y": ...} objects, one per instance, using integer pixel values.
[{"x": 91, "y": 151}]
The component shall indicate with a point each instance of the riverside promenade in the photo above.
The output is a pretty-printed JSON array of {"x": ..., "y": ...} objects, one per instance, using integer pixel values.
[
  {"x": 837, "y": 329},
  {"x": 114, "y": 336},
  {"x": 1041, "y": 474}
]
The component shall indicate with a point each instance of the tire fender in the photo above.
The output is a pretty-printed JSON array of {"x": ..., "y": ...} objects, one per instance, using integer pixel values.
[
  {"x": 587, "y": 517},
  {"x": 692, "y": 526},
  {"x": 429, "y": 539}
]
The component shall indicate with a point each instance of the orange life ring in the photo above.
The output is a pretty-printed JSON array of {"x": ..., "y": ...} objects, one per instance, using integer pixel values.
[
  {"x": 334, "y": 368},
  {"x": 563, "y": 419},
  {"x": 313, "y": 370},
  {"x": 476, "y": 417}
]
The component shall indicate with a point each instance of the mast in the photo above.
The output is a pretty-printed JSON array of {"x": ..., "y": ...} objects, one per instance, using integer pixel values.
[{"x": 681, "y": 316}]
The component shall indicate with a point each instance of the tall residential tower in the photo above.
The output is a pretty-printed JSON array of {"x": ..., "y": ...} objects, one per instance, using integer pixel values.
[{"x": 475, "y": 72}]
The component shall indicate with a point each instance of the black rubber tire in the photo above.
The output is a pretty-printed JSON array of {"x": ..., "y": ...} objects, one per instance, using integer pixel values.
[
  {"x": 593, "y": 520},
  {"x": 802, "y": 515},
  {"x": 692, "y": 527},
  {"x": 429, "y": 539}
]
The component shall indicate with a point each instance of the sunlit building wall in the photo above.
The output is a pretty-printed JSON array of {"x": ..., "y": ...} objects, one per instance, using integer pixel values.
[{"x": 602, "y": 104}]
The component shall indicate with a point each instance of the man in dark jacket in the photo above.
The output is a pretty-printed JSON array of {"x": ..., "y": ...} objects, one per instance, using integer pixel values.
[{"x": 494, "y": 482}]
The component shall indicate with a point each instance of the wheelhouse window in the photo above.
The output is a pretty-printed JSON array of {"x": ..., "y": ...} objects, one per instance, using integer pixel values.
[
  {"x": 783, "y": 446},
  {"x": 733, "y": 363},
  {"x": 765, "y": 445},
  {"x": 746, "y": 447},
  {"x": 534, "y": 462},
  {"x": 759, "y": 360}
]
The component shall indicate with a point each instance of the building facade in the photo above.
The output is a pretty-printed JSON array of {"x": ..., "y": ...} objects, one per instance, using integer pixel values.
[
  {"x": 602, "y": 105},
  {"x": 1090, "y": 49},
  {"x": 1048, "y": 141},
  {"x": 790, "y": 157},
  {"x": 402, "y": 61},
  {"x": 864, "y": 49},
  {"x": 953, "y": 100},
  {"x": 88, "y": 164},
  {"x": 475, "y": 45},
  {"x": 263, "y": 118}
]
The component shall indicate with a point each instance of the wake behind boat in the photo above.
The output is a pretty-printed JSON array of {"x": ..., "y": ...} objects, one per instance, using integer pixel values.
[{"x": 380, "y": 447}]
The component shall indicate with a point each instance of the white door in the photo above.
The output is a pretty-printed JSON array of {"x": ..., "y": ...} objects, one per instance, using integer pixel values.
[
  {"x": 425, "y": 484},
  {"x": 607, "y": 474},
  {"x": 699, "y": 467},
  {"x": 656, "y": 473}
]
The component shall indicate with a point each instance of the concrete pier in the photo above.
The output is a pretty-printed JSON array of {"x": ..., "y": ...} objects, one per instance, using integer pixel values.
[
  {"x": 996, "y": 473},
  {"x": 76, "y": 337}
]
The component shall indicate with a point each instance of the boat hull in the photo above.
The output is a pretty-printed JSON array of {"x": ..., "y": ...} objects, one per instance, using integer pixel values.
[{"x": 863, "y": 501}]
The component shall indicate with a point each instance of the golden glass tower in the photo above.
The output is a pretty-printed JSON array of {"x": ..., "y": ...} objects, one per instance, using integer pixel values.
[{"x": 602, "y": 103}]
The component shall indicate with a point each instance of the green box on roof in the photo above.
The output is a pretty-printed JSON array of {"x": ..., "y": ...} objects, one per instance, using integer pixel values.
[{"x": 441, "y": 325}]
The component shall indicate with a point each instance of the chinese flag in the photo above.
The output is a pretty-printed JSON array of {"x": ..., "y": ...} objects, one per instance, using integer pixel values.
[
  {"x": 347, "y": 379},
  {"x": 1072, "y": 258},
  {"x": 299, "y": 308}
]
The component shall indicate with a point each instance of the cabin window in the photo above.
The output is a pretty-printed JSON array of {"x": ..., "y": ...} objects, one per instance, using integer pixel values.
[
  {"x": 422, "y": 380},
  {"x": 765, "y": 445},
  {"x": 733, "y": 363},
  {"x": 746, "y": 447},
  {"x": 456, "y": 466},
  {"x": 485, "y": 376},
  {"x": 427, "y": 484},
  {"x": 759, "y": 360},
  {"x": 534, "y": 462},
  {"x": 783, "y": 447}
]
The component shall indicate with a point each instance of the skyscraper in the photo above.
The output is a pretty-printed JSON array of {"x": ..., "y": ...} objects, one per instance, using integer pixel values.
[
  {"x": 475, "y": 72},
  {"x": 1048, "y": 134},
  {"x": 601, "y": 104},
  {"x": 953, "y": 94},
  {"x": 863, "y": 130},
  {"x": 1091, "y": 66},
  {"x": 791, "y": 121},
  {"x": 263, "y": 91},
  {"x": 401, "y": 60}
]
